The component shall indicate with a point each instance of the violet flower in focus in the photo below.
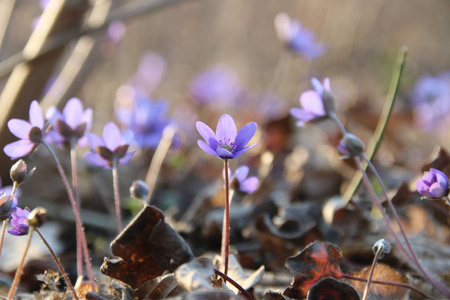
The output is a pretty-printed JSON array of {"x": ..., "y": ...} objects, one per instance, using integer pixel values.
[
  {"x": 69, "y": 126},
  {"x": 19, "y": 222},
  {"x": 297, "y": 38},
  {"x": 30, "y": 133},
  {"x": 433, "y": 184},
  {"x": 226, "y": 143},
  {"x": 312, "y": 103},
  {"x": 144, "y": 117},
  {"x": 240, "y": 182},
  {"x": 216, "y": 85},
  {"x": 111, "y": 149}
]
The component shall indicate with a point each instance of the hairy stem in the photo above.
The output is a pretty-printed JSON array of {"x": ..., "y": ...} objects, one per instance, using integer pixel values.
[
  {"x": 234, "y": 283},
  {"x": 73, "y": 160},
  {"x": 226, "y": 223},
  {"x": 436, "y": 283},
  {"x": 19, "y": 270},
  {"x": 398, "y": 284},
  {"x": 58, "y": 264},
  {"x": 372, "y": 268},
  {"x": 117, "y": 196},
  {"x": 76, "y": 213}
]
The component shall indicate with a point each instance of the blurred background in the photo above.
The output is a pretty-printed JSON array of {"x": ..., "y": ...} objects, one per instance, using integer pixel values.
[{"x": 201, "y": 59}]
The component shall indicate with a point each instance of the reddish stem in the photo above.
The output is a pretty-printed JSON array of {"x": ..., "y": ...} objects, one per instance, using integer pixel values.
[
  {"x": 234, "y": 283},
  {"x": 226, "y": 223}
]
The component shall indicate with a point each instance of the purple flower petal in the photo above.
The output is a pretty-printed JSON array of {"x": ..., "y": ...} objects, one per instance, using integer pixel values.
[
  {"x": 36, "y": 115},
  {"x": 241, "y": 173},
  {"x": 312, "y": 102},
  {"x": 126, "y": 158},
  {"x": 18, "y": 149},
  {"x": 437, "y": 190},
  {"x": 73, "y": 112},
  {"x": 225, "y": 153},
  {"x": 205, "y": 131},
  {"x": 87, "y": 118},
  {"x": 52, "y": 114},
  {"x": 318, "y": 87},
  {"x": 238, "y": 153},
  {"x": 112, "y": 136},
  {"x": 94, "y": 141},
  {"x": 205, "y": 147},
  {"x": 245, "y": 135},
  {"x": 19, "y": 128},
  {"x": 440, "y": 176},
  {"x": 249, "y": 185},
  {"x": 326, "y": 84},
  {"x": 226, "y": 128},
  {"x": 96, "y": 160},
  {"x": 302, "y": 115}
]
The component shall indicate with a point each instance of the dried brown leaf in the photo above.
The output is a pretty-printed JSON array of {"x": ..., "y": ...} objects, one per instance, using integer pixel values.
[
  {"x": 332, "y": 289},
  {"x": 196, "y": 275}
]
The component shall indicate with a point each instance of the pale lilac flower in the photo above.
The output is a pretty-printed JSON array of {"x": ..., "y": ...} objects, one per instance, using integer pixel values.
[
  {"x": 19, "y": 222},
  {"x": 215, "y": 85},
  {"x": 433, "y": 184},
  {"x": 297, "y": 38},
  {"x": 30, "y": 133},
  {"x": 242, "y": 183},
  {"x": 312, "y": 103},
  {"x": 146, "y": 118},
  {"x": 226, "y": 143},
  {"x": 150, "y": 72},
  {"x": 111, "y": 149},
  {"x": 116, "y": 30},
  {"x": 71, "y": 125}
]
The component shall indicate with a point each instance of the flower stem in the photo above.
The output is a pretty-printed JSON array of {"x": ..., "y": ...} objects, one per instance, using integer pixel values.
[
  {"x": 224, "y": 253},
  {"x": 117, "y": 196},
  {"x": 234, "y": 283},
  {"x": 75, "y": 212},
  {"x": 372, "y": 268},
  {"x": 398, "y": 284},
  {"x": 58, "y": 264},
  {"x": 436, "y": 283},
  {"x": 73, "y": 160},
  {"x": 2, "y": 234},
  {"x": 19, "y": 270}
]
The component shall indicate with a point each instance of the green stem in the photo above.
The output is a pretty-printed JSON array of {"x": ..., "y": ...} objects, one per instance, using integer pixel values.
[
  {"x": 382, "y": 123},
  {"x": 76, "y": 213},
  {"x": 58, "y": 264},
  {"x": 19, "y": 270},
  {"x": 117, "y": 196},
  {"x": 226, "y": 223},
  {"x": 73, "y": 160}
]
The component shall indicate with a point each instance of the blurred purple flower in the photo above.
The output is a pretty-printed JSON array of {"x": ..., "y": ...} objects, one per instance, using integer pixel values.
[
  {"x": 242, "y": 183},
  {"x": 431, "y": 99},
  {"x": 19, "y": 222},
  {"x": 8, "y": 204},
  {"x": 312, "y": 103},
  {"x": 144, "y": 117},
  {"x": 433, "y": 184},
  {"x": 215, "y": 85},
  {"x": 70, "y": 125},
  {"x": 112, "y": 149},
  {"x": 151, "y": 69},
  {"x": 297, "y": 38},
  {"x": 30, "y": 133},
  {"x": 226, "y": 143},
  {"x": 116, "y": 30}
]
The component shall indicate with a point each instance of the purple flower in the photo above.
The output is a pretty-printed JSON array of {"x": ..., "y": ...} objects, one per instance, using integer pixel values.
[
  {"x": 19, "y": 222},
  {"x": 144, "y": 117},
  {"x": 70, "y": 125},
  {"x": 110, "y": 150},
  {"x": 242, "y": 183},
  {"x": 226, "y": 143},
  {"x": 149, "y": 74},
  {"x": 217, "y": 84},
  {"x": 312, "y": 103},
  {"x": 433, "y": 184},
  {"x": 297, "y": 38},
  {"x": 8, "y": 204},
  {"x": 30, "y": 133}
]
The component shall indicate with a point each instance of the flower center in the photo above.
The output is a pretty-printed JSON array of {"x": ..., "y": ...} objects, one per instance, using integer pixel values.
[{"x": 226, "y": 143}]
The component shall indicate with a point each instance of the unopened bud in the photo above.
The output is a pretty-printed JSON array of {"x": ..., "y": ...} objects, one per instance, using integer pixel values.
[
  {"x": 328, "y": 102},
  {"x": 383, "y": 245},
  {"x": 37, "y": 217},
  {"x": 353, "y": 145},
  {"x": 7, "y": 206},
  {"x": 19, "y": 173},
  {"x": 139, "y": 190}
]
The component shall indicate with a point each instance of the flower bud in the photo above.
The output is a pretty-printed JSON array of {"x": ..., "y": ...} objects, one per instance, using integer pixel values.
[
  {"x": 19, "y": 173},
  {"x": 382, "y": 244},
  {"x": 37, "y": 217},
  {"x": 139, "y": 190},
  {"x": 433, "y": 185},
  {"x": 7, "y": 206},
  {"x": 351, "y": 145},
  {"x": 328, "y": 102}
]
